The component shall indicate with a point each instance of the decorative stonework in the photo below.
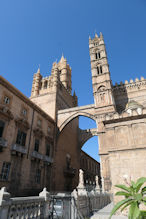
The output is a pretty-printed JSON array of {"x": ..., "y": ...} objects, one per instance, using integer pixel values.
[
  {"x": 5, "y": 111},
  {"x": 38, "y": 132},
  {"x": 21, "y": 122}
]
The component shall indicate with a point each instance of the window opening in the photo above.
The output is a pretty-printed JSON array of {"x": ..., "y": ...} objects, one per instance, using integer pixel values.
[
  {"x": 36, "y": 145},
  {"x": 5, "y": 171},
  {"x": 99, "y": 55},
  {"x": 45, "y": 84},
  {"x": 24, "y": 112},
  {"x": 97, "y": 70},
  {"x": 6, "y": 100},
  {"x": 2, "y": 125},
  {"x": 21, "y": 138},
  {"x": 38, "y": 176},
  {"x": 47, "y": 149},
  {"x": 39, "y": 122}
]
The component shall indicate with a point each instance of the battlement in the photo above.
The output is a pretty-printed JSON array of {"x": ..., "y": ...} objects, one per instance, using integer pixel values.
[
  {"x": 96, "y": 38},
  {"x": 130, "y": 86},
  {"x": 60, "y": 77}
]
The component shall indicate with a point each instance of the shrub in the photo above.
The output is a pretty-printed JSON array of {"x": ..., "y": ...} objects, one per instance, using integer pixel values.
[{"x": 134, "y": 195}]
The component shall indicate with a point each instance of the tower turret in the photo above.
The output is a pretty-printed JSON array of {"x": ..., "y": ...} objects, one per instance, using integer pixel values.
[
  {"x": 65, "y": 73},
  {"x": 101, "y": 81},
  {"x": 36, "y": 83},
  {"x": 55, "y": 74}
]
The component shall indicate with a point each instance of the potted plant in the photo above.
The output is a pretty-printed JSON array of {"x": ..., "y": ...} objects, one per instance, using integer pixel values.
[{"x": 134, "y": 195}]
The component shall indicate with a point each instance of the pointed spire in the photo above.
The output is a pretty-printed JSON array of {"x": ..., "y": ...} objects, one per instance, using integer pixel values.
[
  {"x": 62, "y": 58},
  {"x": 96, "y": 36},
  {"x": 38, "y": 71},
  {"x": 89, "y": 37},
  {"x": 101, "y": 35},
  {"x": 74, "y": 94}
]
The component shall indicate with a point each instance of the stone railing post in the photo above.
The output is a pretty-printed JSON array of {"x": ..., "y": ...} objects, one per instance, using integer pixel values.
[
  {"x": 46, "y": 208},
  {"x": 81, "y": 187},
  {"x": 97, "y": 187},
  {"x": 5, "y": 203},
  {"x": 103, "y": 186}
]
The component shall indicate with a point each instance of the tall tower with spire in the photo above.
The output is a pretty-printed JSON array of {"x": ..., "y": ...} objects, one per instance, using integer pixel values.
[
  {"x": 101, "y": 81},
  {"x": 54, "y": 92}
]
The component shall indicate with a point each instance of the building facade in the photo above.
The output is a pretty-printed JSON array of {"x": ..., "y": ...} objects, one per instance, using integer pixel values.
[
  {"x": 26, "y": 143},
  {"x": 50, "y": 117},
  {"x": 91, "y": 169},
  {"x": 31, "y": 146}
]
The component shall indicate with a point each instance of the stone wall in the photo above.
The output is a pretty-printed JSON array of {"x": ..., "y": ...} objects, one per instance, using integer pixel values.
[
  {"x": 22, "y": 160},
  {"x": 66, "y": 175}
]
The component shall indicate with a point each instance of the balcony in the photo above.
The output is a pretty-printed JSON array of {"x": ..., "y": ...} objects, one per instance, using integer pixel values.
[
  {"x": 18, "y": 148},
  {"x": 3, "y": 144},
  {"x": 47, "y": 159},
  {"x": 37, "y": 155}
]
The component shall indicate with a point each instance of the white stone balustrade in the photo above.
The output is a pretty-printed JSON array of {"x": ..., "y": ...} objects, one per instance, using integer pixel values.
[{"x": 24, "y": 207}]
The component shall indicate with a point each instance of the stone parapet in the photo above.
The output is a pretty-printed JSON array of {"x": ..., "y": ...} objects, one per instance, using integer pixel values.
[{"x": 129, "y": 86}]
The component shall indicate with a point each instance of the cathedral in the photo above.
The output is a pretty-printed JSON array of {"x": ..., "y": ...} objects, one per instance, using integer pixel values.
[{"x": 40, "y": 139}]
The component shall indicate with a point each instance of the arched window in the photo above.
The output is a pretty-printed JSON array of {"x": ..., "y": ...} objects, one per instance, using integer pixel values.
[
  {"x": 101, "y": 69},
  {"x": 46, "y": 84},
  {"x": 97, "y": 70},
  {"x": 48, "y": 149},
  {"x": 99, "y": 55},
  {"x": 96, "y": 55},
  {"x": 101, "y": 88}
]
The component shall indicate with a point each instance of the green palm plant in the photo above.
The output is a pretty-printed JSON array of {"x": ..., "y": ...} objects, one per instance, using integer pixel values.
[{"x": 134, "y": 195}]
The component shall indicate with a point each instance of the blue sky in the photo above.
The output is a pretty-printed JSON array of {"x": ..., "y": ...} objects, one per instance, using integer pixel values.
[{"x": 34, "y": 32}]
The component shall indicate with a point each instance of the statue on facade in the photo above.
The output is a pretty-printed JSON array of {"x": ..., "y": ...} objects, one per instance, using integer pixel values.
[{"x": 81, "y": 187}]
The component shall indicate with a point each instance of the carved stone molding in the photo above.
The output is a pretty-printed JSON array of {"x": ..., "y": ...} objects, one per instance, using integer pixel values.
[
  {"x": 49, "y": 138},
  {"x": 5, "y": 111},
  {"x": 21, "y": 122},
  {"x": 38, "y": 132}
]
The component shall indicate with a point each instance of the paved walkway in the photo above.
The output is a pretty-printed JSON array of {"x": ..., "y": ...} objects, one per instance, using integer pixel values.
[{"x": 105, "y": 213}]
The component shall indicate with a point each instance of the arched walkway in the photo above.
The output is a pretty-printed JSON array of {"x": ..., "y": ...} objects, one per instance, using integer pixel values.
[{"x": 75, "y": 115}]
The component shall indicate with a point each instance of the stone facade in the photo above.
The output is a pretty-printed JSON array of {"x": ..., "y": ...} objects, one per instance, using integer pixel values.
[
  {"x": 32, "y": 148},
  {"x": 119, "y": 111},
  {"x": 91, "y": 169},
  {"x": 26, "y": 143}
]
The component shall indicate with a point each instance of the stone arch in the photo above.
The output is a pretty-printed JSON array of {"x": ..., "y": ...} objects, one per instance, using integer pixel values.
[
  {"x": 75, "y": 115},
  {"x": 101, "y": 88},
  {"x": 85, "y": 135}
]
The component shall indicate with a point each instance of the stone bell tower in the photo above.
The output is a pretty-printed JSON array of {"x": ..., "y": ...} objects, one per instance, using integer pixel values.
[
  {"x": 54, "y": 92},
  {"x": 101, "y": 81}
]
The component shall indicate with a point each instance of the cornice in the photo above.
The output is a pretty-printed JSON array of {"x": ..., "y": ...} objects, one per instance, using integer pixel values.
[{"x": 15, "y": 91}]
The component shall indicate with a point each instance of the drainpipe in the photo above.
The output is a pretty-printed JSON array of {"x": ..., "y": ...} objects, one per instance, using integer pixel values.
[{"x": 30, "y": 133}]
